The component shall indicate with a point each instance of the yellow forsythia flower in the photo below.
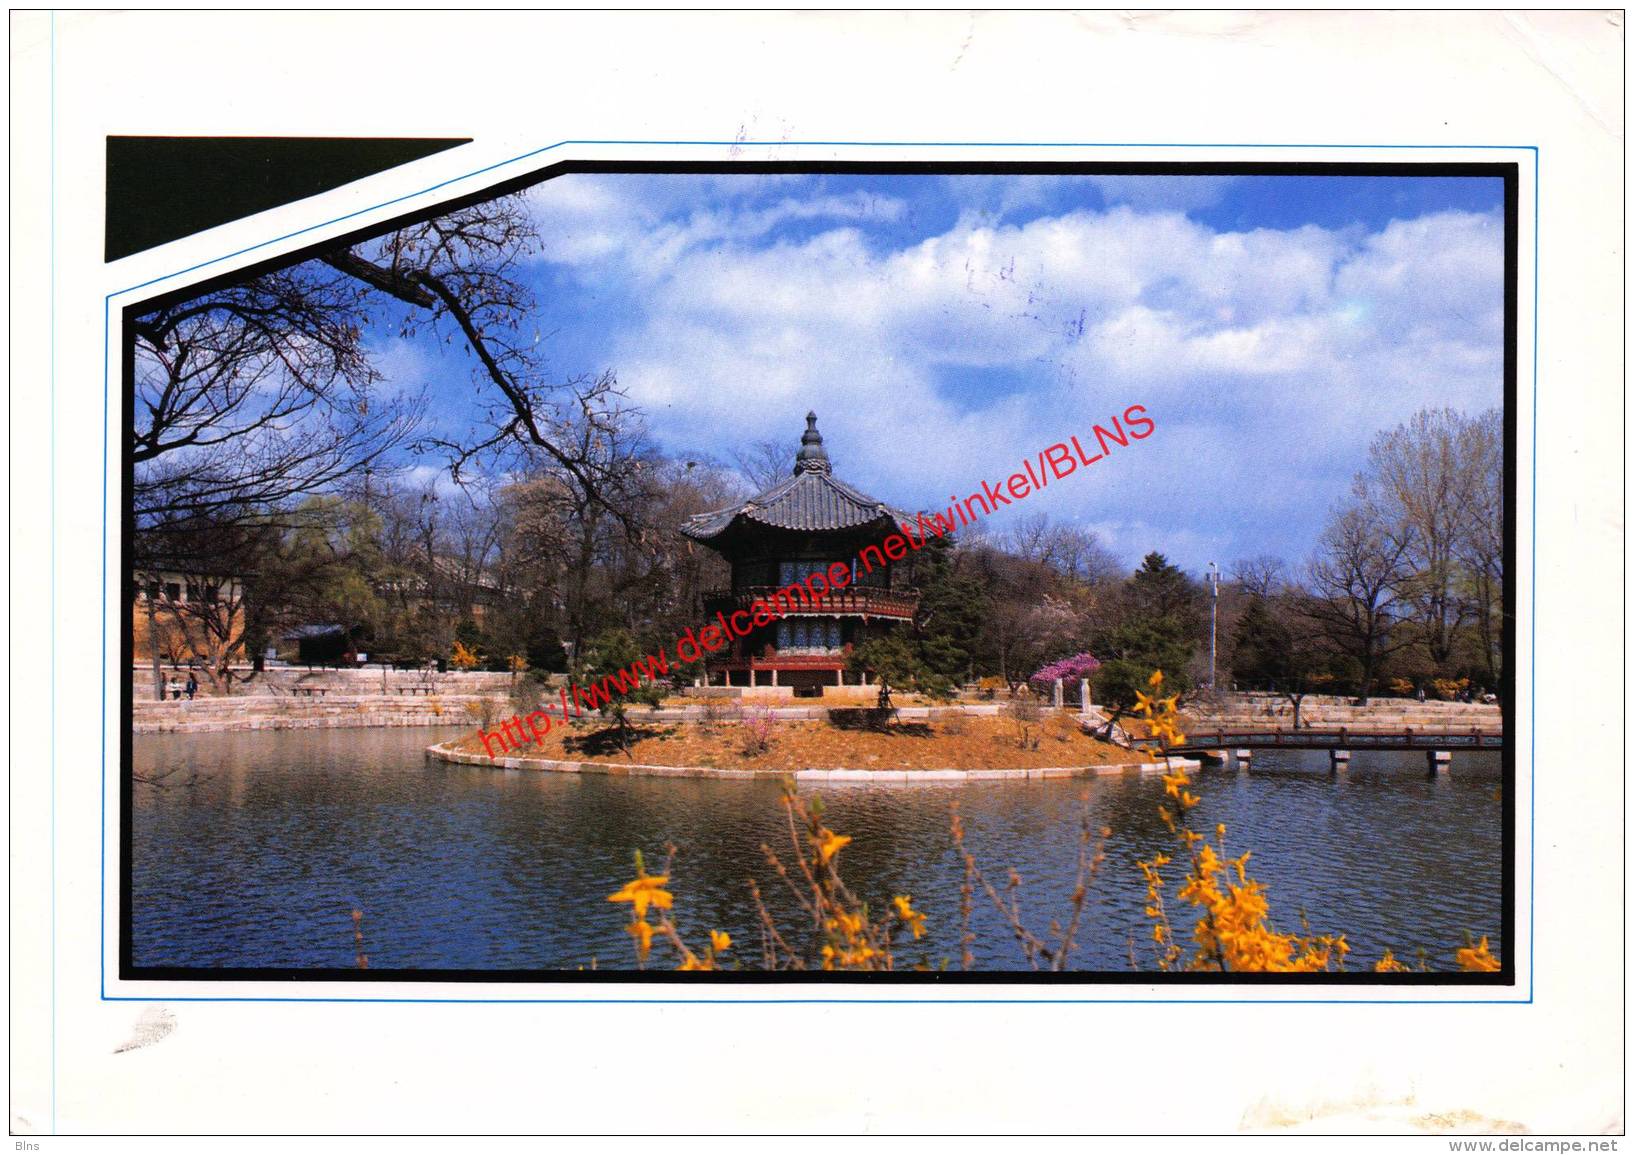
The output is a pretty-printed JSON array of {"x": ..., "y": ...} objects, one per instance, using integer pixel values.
[
  {"x": 462, "y": 658},
  {"x": 829, "y": 844},
  {"x": 641, "y": 930},
  {"x": 847, "y": 924},
  {"x": 906, "y": 912},
  {"x": 645, "y": 890},
  {"x": 1477, "y": 958}
]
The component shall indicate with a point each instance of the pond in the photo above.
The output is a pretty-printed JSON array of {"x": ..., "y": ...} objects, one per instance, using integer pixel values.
[{"x": 256, "y": 848}]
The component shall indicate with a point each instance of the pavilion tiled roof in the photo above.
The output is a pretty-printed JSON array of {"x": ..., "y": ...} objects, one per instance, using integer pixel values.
[{"x": 813, "y": 500}]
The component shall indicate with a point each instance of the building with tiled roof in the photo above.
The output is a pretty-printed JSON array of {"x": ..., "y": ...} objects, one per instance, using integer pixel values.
[{"x": 778, "y": 538}]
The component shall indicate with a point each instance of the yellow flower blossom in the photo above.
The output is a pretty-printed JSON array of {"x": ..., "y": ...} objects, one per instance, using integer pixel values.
[
  {"x": 719, "y": 941},
  {"x": 1160, "y": 713},
  {"x": 829, "y": 844},
  {"x": 645, "y": 890},
  {"x": 906, "y": 912},
  {"x": 1389, "y": 963},
  {"x": 1477, "y": 958},
  {"x": 846, "y": 923},
  {"x": 641, "y": 930}
]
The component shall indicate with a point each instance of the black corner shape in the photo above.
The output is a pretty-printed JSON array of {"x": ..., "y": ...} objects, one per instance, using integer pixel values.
[{"x": 164, "y": 187}]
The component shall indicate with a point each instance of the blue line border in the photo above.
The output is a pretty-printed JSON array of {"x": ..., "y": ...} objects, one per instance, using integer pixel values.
[
  {"x": 51, "y": 245},
  {"x": 852, "y": 1002},
  {"x": 1532, "y": 825},
  {"x": 107, "y": 327}
]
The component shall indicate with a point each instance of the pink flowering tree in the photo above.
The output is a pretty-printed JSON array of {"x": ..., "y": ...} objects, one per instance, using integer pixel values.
[{"x": 1069, "y": 670}]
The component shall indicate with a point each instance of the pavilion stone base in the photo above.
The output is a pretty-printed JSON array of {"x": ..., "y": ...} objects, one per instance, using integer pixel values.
[
  {"x": 741, "y": 692},
  {"x": 807, "y": 679}
]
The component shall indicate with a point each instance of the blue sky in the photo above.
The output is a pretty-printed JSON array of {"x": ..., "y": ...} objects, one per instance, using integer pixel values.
[{"x": 943, "y": 327}]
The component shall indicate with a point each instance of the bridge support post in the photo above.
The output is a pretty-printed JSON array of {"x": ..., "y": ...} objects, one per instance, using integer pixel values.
[
  {"x": 1440, "y": 761},
  {"x": 1338, "y": 761},
  {"x": 1244, "y": 757}
]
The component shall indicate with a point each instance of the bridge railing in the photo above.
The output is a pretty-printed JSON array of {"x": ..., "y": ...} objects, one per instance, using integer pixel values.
[{"x": 1346, "y": 738}]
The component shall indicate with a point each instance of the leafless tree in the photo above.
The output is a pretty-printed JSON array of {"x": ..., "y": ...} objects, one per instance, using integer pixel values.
[
  {"x": 254, "y": 394},
  {"x": 461, "y": 274},
  {"x": 1420, "y": 479},
  {"x": 1480, "y": 548},
  {"x": 205, "y": 609},
  {"x": 1071, "y": 551},
  {"x": 765, "y": 463},
  {"x": 1262, "y": 576},
  {"x": 1356, "y": 578},
  {"x": 1030, "y": 615}
]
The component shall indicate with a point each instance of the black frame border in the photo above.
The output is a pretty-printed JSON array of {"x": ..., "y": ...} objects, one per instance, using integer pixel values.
[{"x": 1507, "y": 171}]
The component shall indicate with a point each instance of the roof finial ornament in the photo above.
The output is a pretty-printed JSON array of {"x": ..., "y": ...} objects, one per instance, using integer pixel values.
[{"x": 812, "y": 458}]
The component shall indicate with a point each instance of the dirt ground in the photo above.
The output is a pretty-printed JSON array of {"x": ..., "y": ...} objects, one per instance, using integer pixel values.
[{"x": 963, "y": 743}]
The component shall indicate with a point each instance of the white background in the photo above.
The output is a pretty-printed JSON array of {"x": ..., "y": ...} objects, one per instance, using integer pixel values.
[{"x": 520, "y": 82}]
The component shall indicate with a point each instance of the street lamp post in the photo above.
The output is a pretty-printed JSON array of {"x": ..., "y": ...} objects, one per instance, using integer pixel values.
[{"x": 1213, "y": 618}]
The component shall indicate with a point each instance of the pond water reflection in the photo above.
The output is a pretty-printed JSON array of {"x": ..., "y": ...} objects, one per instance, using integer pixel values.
[{"x": 254, "y": 853}]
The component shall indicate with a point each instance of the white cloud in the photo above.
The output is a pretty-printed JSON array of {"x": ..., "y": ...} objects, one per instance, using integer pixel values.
[
  {"x": 403, "y": 365},
  {"x": 586, "y": 218},
  {"x": 1001, "y": 197},
  {"x": 1269, "y": 356}
]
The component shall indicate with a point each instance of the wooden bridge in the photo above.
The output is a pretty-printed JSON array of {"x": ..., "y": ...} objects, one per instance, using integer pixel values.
[
  {"x": 1437, "y": 743},
  {"x": 1343, "y": 738}
]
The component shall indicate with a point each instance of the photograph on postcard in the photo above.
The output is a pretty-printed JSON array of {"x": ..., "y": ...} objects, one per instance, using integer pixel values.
[{"x": 835, "y": 572}]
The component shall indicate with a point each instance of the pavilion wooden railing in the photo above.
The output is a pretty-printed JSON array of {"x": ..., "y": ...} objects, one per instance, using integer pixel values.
[
  {"x": 853, "y": 600},
  {"x": 784, "y": 661}
]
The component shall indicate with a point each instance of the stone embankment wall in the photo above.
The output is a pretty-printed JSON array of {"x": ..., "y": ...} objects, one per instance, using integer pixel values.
[
  {"x": 470, "y": 710},
  {"x": 1231, "y": 710},
  {"x": 447, "y": 753},
  {"x": 282, "y": 681},
  {"x": 270, "y": 713}
]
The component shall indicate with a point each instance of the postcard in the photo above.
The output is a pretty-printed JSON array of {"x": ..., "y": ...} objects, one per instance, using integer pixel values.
[{"x": 582, "y": 573}]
